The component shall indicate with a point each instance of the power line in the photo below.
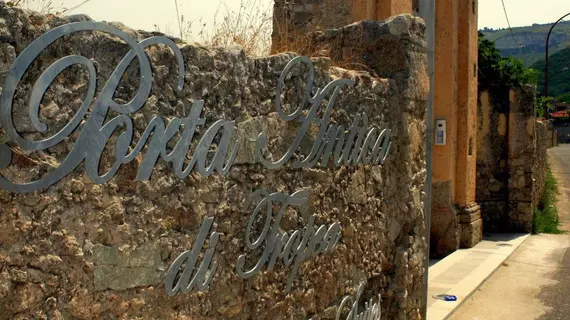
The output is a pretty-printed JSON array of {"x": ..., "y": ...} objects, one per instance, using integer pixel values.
[
  {"x": 511, "y": 30},
  {"x": 508, "y": 23}
]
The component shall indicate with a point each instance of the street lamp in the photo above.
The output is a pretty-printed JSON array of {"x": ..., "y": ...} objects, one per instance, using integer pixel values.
[{"x": 546, "y": 56}]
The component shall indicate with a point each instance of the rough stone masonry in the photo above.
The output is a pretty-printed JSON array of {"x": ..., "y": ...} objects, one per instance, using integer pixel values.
[
  {"x": 80, "y": 250},
  {"x": 511, "y": 159}
]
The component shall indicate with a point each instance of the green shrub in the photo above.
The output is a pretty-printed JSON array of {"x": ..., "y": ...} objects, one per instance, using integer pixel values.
[
  {"x": 545, "y": 215},
  {"x": 498, "y": 74}
]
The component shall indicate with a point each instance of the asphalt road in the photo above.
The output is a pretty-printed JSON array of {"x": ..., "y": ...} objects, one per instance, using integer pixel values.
[
  {"x": 557, "y": 296},
  {"x": 534, "y": 283}
]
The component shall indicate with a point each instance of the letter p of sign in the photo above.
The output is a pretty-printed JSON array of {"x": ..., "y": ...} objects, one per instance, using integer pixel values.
[{"x": 192, "y": 277}]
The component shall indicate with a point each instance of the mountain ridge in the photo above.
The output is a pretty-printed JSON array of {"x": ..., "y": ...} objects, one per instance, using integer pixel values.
[
  {"x": 558, "y": 74},
  {"x": 532, "y": 38}
]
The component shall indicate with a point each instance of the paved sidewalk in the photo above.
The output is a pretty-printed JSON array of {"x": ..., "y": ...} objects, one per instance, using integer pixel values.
[
  {"x": 534, "y": 283},
  {"x": 462, "y": 272}
]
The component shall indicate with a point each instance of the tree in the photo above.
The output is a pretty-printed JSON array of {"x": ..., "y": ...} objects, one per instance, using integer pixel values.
[
  {"x": 501, "y": 72},
  {"x": 498, "y": 74}
]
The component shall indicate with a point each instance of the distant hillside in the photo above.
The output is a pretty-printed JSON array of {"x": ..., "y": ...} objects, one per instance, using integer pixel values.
[
  {"x": 533, "y": 38},
  {"x": 559, "y": 74}
]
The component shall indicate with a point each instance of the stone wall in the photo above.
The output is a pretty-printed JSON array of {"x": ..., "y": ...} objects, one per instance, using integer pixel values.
[
  {"x": 543, "y": 138},
  {"x": 549, "y": 134},
  {"x": 83, "y": 250},
  {"x": 492, "y": 158},
  {"x": 562, "y": 134},
  {"x": 522, "y": 156},
  {"x": 292, "y": 20},
  {"x": 551, "y": 138},
  {"x": 511, "y": 159},
  {"x": 381, "y": 48}
]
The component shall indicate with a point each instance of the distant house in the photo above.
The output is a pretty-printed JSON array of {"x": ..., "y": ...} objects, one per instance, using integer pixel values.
[{"x": 559, "y": 114}]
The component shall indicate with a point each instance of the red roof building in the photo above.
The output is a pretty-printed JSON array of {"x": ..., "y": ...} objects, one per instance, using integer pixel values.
[{"x": 559, "y": 114}]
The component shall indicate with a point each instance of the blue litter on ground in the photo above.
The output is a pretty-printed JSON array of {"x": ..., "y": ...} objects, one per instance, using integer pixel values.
[{"x": 445, "y": 297}]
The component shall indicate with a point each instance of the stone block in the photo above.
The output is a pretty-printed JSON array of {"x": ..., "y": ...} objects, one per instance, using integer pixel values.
[
  {"x": 444, "y": 231},
  {"x": 444, "y": 225},
  {"x": 122, "y": 270},
  {"x": 471, "y": 225},
  {"x": 122, "y": 278},
  {"x": 471, "y": 233}
]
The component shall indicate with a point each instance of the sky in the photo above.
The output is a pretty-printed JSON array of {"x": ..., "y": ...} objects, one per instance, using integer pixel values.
[
  {"x": 151, "y": 15},
  {"x": 521, "y": 12},
  {"x": 161, "y": 14}
]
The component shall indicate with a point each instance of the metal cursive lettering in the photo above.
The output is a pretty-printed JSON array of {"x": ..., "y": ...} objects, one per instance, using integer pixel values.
[
  {"x": 95, "y": 133},
  {"x": 372, "y": 311},
  {"x": 291, "y": 248},
  {"x": 192, "y": 277},
  {"x": 360, "y": 145}
]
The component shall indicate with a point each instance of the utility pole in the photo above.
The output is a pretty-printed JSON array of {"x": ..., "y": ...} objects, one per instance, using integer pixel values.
[{"x": 427, "y": 12}]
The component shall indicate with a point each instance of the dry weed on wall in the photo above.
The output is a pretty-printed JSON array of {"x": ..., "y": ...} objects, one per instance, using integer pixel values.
[
  {"x": 45, "y": 6},
  {"x": 249, "y": 27}
]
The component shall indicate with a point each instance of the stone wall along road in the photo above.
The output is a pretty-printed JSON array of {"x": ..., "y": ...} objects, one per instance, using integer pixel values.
[{"x": 241, "y": 235}]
